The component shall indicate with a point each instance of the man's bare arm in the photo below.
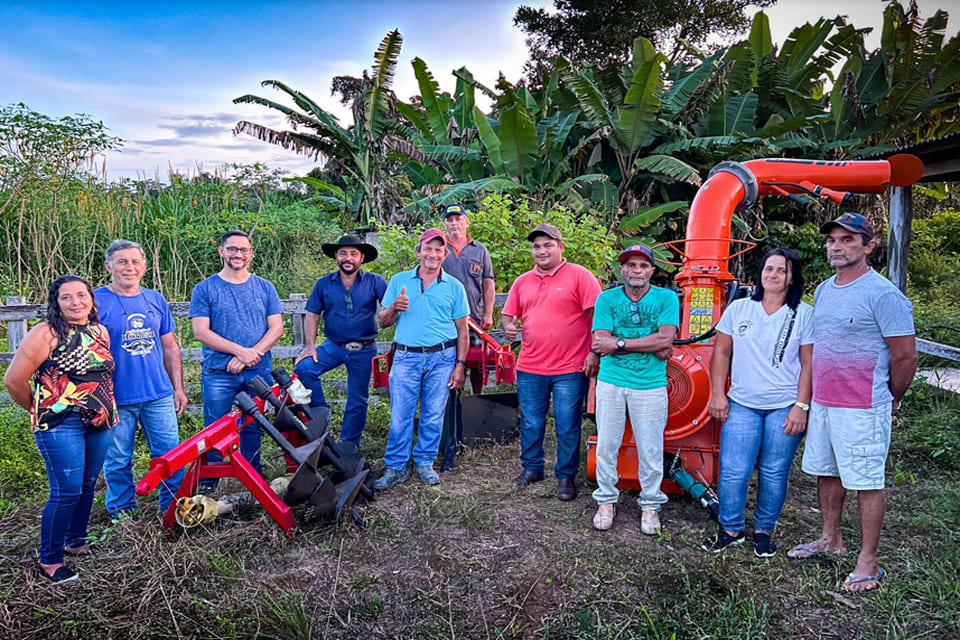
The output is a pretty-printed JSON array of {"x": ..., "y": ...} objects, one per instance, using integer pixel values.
[
  {"x": 903, "y": 365},
  {"x": 489, "y": 300},
  {"x": 605, "y": 344},
  {"x": 173, "y": 363}
]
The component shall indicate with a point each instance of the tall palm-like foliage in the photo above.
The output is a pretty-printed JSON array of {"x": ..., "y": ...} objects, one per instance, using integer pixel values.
[
  {"x": 361, "y": 150},
  {"x": 630, "y": 113},
  {"x": 906, "y": 91},
  {"x": 523, "y": 145}
]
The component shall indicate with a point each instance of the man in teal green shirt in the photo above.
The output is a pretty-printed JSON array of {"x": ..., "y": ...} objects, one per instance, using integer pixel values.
[{"x": 633, "y": 330}]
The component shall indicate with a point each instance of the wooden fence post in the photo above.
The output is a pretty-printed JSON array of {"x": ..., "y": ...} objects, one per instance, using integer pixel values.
[
  {"x": 16, "y": 329},
  {"x": 296, "y": 322},
  {"x": 898, "y": 238}
]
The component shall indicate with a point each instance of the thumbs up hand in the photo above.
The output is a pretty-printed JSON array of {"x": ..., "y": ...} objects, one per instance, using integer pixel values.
[{"x": 402, "y": 302}]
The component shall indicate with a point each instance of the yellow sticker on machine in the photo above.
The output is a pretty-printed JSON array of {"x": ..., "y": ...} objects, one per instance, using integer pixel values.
[{"x": 701, "y": 311}]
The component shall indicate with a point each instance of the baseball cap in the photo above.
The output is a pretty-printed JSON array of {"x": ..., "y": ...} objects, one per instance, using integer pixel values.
[
  {"x": 432, "y": 234},
  {"x": 851, "y": 222},
  {"x": 636, "y": 250},
  {"x": 545, "y": 229},
  {"x": 454, "y": 209}
]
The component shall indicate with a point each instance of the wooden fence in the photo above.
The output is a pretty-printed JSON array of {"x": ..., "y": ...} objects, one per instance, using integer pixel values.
[{"x": 16, "y": 315}]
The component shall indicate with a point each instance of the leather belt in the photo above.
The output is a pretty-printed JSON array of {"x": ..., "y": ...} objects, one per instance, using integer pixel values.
[
  {"x": 431, "y": 349},
  {"x": 356, "y": 345}
]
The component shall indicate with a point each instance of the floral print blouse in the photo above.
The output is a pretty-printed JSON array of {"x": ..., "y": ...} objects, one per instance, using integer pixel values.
[{"x": 77, "y": 376}]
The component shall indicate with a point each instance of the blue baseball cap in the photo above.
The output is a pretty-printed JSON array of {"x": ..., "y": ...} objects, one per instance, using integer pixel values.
[
  {"x": 454, "y": 209},
  {"x": 851, "y": 222},
  {"x": 636, "y": 250}
]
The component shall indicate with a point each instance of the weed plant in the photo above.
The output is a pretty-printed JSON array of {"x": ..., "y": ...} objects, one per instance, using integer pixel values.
[{"x": 179, "y": 226}]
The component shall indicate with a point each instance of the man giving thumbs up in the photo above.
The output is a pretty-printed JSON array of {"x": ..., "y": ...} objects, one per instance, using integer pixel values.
[{"x": 430, "y": 309}]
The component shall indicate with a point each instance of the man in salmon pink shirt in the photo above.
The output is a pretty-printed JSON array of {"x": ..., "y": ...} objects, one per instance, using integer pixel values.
[{"x": 554, "y": 305}]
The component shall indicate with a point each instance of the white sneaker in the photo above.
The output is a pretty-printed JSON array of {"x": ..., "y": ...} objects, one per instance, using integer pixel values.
[
  {"x": 605, "y": 515},
  {"x": 650, "y": 522}
]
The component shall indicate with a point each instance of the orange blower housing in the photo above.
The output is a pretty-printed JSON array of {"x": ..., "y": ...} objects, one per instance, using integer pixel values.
[{"x": 708, "y": 287}]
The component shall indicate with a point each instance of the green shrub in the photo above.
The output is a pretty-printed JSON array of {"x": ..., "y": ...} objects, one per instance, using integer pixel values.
[
  {"x": 930, "y": 422},
  {"x": 934, "y": 262},
  {"x": 21, "y": 468},
  {"x": 502, "y": 223}
]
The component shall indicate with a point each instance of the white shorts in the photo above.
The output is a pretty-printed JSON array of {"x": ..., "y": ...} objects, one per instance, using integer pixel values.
[{"x": 849, "y": 443}]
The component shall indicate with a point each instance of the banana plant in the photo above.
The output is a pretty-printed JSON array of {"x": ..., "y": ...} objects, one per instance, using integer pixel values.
[
  {"x": 524, "y": 145},
  {"x": 629, "y": 114},
  {"x": 363, "y": 149},
  {"x": 906, "y": 91}
]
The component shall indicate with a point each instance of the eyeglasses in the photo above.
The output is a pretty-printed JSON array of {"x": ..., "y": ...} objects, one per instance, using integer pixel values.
[
  {"x": 230, "y": 251},
  {"x": 349, "y": 302},
  {"x": 635, "y": 310}
]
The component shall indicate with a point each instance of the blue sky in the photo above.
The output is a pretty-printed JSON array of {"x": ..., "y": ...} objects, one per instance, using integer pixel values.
[{"x": 163, "y": 75}]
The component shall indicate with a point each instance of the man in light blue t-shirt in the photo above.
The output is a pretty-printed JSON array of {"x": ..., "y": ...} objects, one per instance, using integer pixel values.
[
  {"x": 237, "y": 317},
  {"x": 148, "y": 379},
  {"x": 430, "y": 310},
  {"x": 633, "y": 331}
]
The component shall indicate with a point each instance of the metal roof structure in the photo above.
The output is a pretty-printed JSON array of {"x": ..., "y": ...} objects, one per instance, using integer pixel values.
[{"x": 940, "y": 157}]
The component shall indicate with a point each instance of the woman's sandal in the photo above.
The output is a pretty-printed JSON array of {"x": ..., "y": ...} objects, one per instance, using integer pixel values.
[{"x": 84, "y": 550}]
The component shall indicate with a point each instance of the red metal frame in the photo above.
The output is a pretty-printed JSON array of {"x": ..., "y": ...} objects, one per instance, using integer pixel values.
[
  {"x": 480, "y": 358},
  {"x": 221, "y": 436}
]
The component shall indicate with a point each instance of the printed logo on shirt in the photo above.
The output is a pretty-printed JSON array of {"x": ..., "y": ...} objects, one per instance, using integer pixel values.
[
  {"x": 138, "y": 339},
  {"x": 743, "y": 328},
  {"x": 475, "y": 267}
]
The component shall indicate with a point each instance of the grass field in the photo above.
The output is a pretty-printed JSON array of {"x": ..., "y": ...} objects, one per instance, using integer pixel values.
[{"x": 478, "y": 558}]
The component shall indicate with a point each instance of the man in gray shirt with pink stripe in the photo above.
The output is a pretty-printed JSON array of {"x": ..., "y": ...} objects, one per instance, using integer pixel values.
[{"x": 864, "y": 359}]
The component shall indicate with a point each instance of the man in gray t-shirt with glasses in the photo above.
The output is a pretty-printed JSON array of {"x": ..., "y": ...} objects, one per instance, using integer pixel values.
[{"x": 237, "y": 317}]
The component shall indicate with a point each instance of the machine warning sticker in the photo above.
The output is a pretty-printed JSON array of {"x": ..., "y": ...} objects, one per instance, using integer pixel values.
[{"x": 701, "y": 311}]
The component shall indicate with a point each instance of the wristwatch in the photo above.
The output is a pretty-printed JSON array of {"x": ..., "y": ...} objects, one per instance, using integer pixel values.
[
  {"x": 621, "y": 344},
  {"x": 463, "y": 362},
  {"x": 803, "y": 405}
]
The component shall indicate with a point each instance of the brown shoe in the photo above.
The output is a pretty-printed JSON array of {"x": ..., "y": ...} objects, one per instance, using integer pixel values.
[
  {"x": 528, "y": 477},
  {"x": 566, "y": 489}
]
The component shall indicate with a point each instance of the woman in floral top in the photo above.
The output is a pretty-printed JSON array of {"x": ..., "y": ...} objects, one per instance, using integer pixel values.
[{"x": 67, "y": 358}]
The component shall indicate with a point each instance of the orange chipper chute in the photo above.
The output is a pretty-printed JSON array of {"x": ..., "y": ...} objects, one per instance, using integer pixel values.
[{"x": 708, "y": 287}]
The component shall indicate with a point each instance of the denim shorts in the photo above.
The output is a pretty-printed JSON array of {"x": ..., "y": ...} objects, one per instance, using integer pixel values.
[{"x": 849, "y": 443}]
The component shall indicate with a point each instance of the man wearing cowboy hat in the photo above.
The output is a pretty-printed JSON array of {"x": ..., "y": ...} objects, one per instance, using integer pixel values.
[{"x": 347, "y": 299}]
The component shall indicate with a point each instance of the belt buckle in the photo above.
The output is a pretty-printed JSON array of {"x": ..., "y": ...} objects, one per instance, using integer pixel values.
[{"x": 353, "y": 346}]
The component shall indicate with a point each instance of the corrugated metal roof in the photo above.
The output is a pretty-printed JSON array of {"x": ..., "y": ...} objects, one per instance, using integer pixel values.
[{"x": 940, "y": 157}]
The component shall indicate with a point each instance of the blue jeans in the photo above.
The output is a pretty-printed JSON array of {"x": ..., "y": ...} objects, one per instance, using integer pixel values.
[
  {"x": 423, "y": 377},
  {"x": 534, "y": 394},
  {"x": 218, "y": 389},
  {"x": 73, "y": 456},
  {"x": 359, "y": 371},
  {"x": 754, "y": 437},
  {"x": 159, "y": 421}
]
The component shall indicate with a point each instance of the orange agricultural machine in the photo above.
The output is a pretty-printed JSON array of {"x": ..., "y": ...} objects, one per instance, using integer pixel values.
[{"x": 692, "y": 437}]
